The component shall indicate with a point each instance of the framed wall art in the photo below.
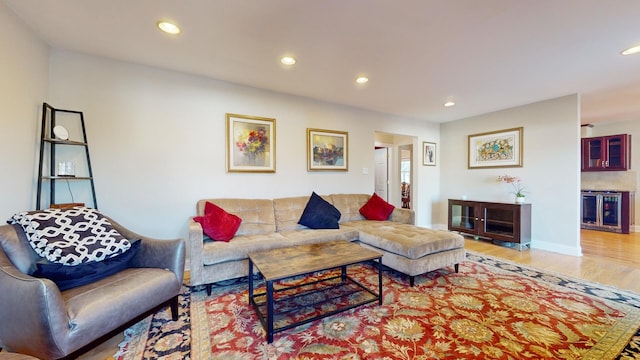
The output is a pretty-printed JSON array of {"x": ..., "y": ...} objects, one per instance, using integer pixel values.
[
  {"x": 428, "y": 153},
  {"x": 502, "y": 148},
  {"x": 251, "y": 144},
  {"x": 327, "y": 150}
]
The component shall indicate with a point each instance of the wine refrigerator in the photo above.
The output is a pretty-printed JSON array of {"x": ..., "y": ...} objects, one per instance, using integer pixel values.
[{"x": 607, "y": 210}]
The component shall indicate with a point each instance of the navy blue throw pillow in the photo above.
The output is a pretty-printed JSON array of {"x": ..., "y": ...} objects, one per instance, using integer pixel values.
[
  {"x": 67, "y": 277},
  {"x": 320, "y": 214}
]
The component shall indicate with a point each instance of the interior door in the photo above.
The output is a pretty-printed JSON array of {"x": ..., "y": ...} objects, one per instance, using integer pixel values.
[{"x": 382, "y": 172}]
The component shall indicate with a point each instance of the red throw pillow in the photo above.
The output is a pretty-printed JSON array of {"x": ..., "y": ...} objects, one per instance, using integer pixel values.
[
  {"x": 217, "y": 223},
  {"x": 376, "y": 208}
]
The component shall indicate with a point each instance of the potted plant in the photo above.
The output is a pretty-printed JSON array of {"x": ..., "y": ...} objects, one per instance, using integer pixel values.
[{"x": 517, "y": 186}]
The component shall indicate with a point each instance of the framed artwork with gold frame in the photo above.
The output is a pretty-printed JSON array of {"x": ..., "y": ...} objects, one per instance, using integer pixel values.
[
  {"x": 495, "y": 149},
  {"x": 327, "y": 150},
  {"x": 251, "y": 144}
]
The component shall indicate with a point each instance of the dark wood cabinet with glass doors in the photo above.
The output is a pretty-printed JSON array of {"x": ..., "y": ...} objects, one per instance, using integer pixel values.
[
  {"x": 606, "y": 153},
  {"x": 505, "y": 222}
]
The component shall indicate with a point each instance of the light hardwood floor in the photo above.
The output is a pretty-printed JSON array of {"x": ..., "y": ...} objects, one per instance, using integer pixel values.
[{"x": 608, "y": 258}]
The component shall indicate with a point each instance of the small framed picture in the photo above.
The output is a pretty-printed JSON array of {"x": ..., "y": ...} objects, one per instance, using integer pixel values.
[
  {"x": 251, "y": 144},
  {"x": 428, "y": 153},
  {"x": 496, "y": 149},
  {"x": 327, "y": 150}
]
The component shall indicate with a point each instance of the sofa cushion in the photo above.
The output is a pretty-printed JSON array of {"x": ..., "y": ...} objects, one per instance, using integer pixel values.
[
  {"x": 410, "y": 241},
  {"x": 287, "y": 212},
  {"x": 217, "y": 223},
  {"x": 71, "y": 236},
  {"x": 376, "y": 208},
  {"x": 313, "y": 236},
  {"x": 320, "y": 214},
  {"x": 240, "y": 246},
  {"x": 349, "y": 205},
  {"x": 67, "y": 277},
  {"x": 256, "y": 214}
]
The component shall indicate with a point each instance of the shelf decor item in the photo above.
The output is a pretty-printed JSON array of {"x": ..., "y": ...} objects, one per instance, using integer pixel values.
[
  {"x": 518, "y": 188},
  {"x": 251, "y": 144},
  {"x": 327, "y": 150},
  {"x": 428, "y": 153},
  {"x": 496, "y": 149}
]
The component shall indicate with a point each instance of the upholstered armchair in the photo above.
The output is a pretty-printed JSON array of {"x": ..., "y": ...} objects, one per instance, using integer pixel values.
[{"x": 39, "y": 319}]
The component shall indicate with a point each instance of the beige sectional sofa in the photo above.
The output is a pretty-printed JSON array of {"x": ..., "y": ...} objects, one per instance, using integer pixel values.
[{"x": 269, "y": 224}]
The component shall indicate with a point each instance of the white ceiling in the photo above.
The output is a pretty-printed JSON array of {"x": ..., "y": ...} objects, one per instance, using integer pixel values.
[{"x": 485, "y": 55}]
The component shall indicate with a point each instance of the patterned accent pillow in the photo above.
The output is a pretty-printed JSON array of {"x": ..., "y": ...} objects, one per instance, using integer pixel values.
[{"x": 71, "y": 236}]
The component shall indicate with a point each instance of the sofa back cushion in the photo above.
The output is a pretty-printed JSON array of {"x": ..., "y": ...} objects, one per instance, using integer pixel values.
[
  {"x": 288, "y": 212},
  {"x": 349, "y": 205},
  {"x": 256, "y": 214}
]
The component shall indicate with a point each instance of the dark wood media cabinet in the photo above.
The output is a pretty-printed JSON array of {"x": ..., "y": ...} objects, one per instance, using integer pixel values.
[{"x": 504, "y": 222}]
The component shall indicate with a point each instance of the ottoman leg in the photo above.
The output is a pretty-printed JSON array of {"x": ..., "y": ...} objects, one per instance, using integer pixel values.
[
  {"x": 457, "y": 267},
  {"x": 411, "y": 280}
]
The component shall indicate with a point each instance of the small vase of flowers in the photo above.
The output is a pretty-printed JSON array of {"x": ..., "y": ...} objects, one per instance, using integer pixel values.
[{"x": 516, "y": 183}]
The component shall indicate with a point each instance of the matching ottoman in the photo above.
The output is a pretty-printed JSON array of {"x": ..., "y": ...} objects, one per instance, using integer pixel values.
[{"x": 410, "y": 249}]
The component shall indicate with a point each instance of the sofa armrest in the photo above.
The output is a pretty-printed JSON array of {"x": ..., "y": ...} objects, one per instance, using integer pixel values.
[
  {"x": 196, "y": 248},
  {"x": 156, "y": 253},
  {"x": 405, "y": 216},
  {"x": 33, "y": 313}
]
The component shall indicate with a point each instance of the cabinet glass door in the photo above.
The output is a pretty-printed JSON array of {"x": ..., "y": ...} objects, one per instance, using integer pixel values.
[
  {"x": 463, "y": 217},
  {"x": 499, "y": 221},
  {"x": 611, "y": 205},
  {"x": 594, "y": 153},
  {"x": 589, "y": 209},
  {"x": 615, "y": 146}
]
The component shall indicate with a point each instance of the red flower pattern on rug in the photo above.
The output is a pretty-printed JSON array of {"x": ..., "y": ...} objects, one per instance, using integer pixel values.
[
  {"x": 477, "y": 314},
  {"x": 492, "y": 309}
]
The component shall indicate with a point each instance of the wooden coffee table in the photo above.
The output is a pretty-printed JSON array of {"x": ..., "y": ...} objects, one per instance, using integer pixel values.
[{"x": 288, "y": 262}]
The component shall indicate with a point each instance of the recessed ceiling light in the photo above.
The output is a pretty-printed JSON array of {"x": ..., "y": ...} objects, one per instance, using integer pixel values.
[
  {"x": 631, "y": 50},
  {"x": 288, "y": 60},
  {"x": 449, "y": 104},
  {"x": 169, "y": 27},
  {"x": 362, "y": 79}
]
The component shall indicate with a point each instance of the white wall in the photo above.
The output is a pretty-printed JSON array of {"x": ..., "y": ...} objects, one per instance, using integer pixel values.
[
  {"x": 24, "y": 75},
  {"x": 157, "y": 141},
  {"x": 550, "y": 172}
]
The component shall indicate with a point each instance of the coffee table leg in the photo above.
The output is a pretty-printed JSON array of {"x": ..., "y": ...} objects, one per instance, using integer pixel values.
[
  {"x": 380, "y": 281},
  {"x": 269, "y": 312},
  {"x": 344, "y": 273},
  {"x": 250, "y": 282}
]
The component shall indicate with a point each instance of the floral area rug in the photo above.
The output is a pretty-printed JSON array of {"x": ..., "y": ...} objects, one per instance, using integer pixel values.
[{"x": 491, "y": 309}]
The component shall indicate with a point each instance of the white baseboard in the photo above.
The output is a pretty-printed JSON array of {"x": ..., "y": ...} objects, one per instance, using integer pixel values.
[{"x": 562, "y": 249}]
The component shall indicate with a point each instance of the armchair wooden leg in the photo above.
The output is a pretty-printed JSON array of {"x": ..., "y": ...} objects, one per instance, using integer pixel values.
[
  {"x": 412, "y": 280},
  {"x": 456, "y": 267},
  {"x": 174, "y": 308},
  {"x": 208, "y": 289}
]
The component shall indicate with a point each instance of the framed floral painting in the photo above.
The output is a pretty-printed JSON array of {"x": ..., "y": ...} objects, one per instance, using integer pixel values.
[
  {"x": 496, "y": 149},
  {"x": 327, "y": 150},
  {"x": 251, "y": 144}
]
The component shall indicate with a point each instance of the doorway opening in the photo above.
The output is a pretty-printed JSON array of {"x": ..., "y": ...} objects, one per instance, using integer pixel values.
[{"x": 394, "y": 171}]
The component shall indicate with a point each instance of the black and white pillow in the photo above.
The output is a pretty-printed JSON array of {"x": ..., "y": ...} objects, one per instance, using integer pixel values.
[{"x": 71, "y": 236}]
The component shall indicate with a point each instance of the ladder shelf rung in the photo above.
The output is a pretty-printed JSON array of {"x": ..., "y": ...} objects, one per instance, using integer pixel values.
[{"x": 65, "y": 142}]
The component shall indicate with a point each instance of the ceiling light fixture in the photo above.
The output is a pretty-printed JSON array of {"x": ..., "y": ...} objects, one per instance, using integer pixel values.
[
  {"x": 449, "y": 104},
  {"x": 288, "y": 60},
  {"x": 169, "y": 27},
  {"x": 631, "y": 51},
  {"x": 362, "y": 80}
]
